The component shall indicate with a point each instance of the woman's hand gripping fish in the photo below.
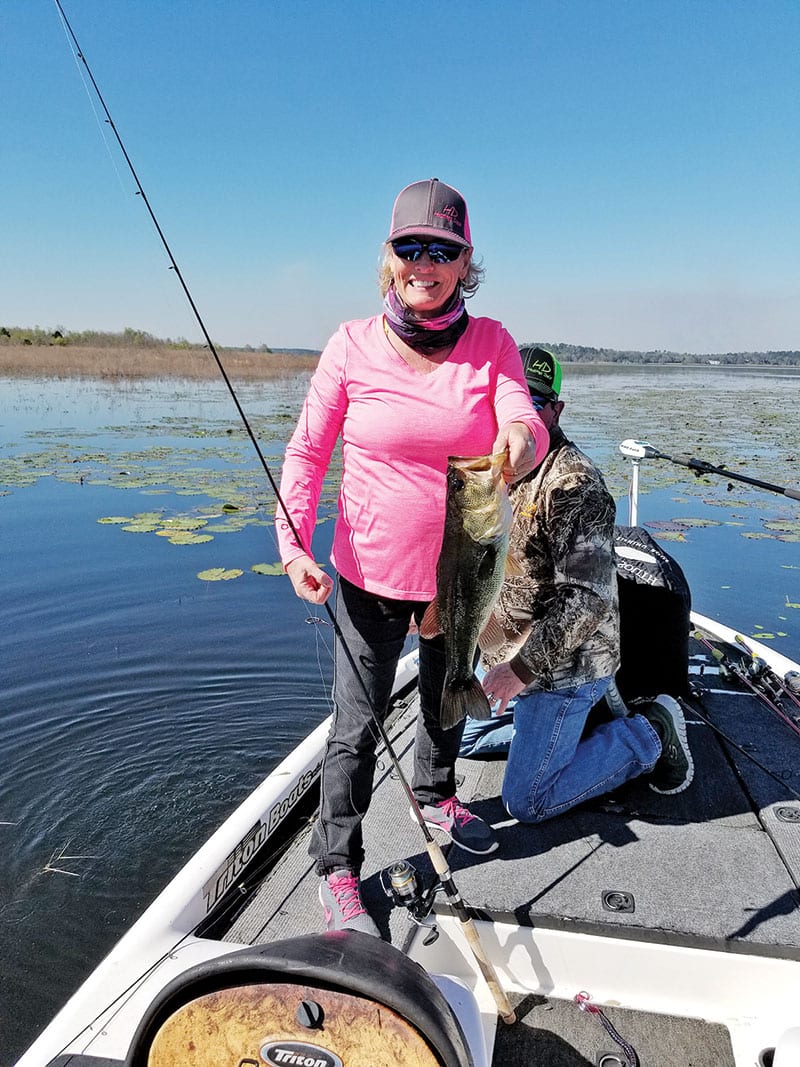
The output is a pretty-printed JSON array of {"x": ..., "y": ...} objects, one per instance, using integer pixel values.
[{"x": 469, "y": 574}]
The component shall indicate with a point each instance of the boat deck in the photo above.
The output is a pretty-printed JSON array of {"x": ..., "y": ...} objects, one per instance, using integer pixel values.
[{"x": 717, "y": 866}]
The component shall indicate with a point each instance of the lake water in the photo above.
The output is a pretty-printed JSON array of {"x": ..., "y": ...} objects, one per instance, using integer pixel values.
[{"x": 142, "y": 703}]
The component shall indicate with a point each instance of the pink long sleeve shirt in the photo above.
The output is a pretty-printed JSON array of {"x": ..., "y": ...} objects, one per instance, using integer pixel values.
[{"x": 397, "y": 427}]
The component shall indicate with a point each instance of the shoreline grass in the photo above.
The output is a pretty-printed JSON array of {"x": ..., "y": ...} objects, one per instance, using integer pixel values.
[{"x": 121, "y": 362}]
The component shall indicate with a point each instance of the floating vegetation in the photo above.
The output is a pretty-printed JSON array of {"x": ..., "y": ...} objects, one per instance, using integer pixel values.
[
  {"x": 141, "y": 527},
  {"x": 183, "y": 537},
  {"x": 666, "y": 525},
  {"x": 184, "y": 522},
  {"x": 219, "y": 574},
  {"x": 60, "y": 856},
  {"x": 669, "y": 535},
  {"x": 224, "y": 527},
  {"x": 785, "y": 529},
  {"x": 699, "y": 522},
  {"x": 789, "y": 604},
  {"x": 725, "y": 503},
  {"x": 268, "y": 568},
  {"x": 209, "y": 484}
]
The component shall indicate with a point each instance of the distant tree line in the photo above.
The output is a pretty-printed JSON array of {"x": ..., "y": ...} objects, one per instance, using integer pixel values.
[
  {"x": 130, "y": 338},
  {"x": 586, "y": 354}
]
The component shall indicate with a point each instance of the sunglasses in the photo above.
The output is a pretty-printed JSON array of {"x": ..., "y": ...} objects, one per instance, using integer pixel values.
[
  {"x": 410, "y": 249},
  {"x": 539, "y": 402}
]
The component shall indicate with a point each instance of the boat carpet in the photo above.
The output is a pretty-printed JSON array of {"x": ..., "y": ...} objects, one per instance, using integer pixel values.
[
  {"x": 556, "y": 1033},
  {"x": 286, "y": 903},
  {"x": 713, "y": 867}
]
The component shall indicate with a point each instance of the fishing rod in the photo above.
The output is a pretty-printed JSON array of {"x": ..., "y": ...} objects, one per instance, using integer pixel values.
[
  {"x": 758, "y": 668},
  {"x": 693, "y": 709},
  {"x": 727, "y": 665},
  {"x": 435, "y": 853},
  {"x": 638, "y": 450}
]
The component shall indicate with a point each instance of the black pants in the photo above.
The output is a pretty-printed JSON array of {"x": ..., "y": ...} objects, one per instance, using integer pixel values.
[{"x": 374, "y": 629}]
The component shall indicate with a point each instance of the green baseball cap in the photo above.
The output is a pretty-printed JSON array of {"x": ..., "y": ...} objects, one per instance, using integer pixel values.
[{"x": 542, "y": 371}]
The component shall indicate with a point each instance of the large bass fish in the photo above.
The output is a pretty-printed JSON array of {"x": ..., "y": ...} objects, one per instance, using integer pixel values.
[{"x": 469, "y": 575}]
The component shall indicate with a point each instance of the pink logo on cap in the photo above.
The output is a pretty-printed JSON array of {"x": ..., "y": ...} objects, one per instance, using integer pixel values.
[{"x": 450, "y": 213}]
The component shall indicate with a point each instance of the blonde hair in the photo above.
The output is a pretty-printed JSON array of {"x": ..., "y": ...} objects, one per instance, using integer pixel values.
[{"x": 469, "y": 286}]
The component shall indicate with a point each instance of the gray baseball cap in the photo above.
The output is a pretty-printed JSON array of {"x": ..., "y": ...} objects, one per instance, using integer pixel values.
[{"x": 431, "y": 209}]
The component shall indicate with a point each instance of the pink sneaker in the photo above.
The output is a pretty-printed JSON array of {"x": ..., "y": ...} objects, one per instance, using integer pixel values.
[
  {"x": 465, "y": 829},
  {"x": 340, "y": 896}
]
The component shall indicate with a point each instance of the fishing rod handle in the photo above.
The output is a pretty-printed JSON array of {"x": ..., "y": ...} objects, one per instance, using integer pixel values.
[
  {"x": 440, "y": 865},
  {"x": 504, "y": 1009}
]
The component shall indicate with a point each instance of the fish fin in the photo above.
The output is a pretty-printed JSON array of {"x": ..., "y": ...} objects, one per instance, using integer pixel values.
[
  {"x": 465, "y": 700},
  {"x": 430, "y": 626},
  {"x": 514, "y": 567},
  {"x": 492, "y": 635}
]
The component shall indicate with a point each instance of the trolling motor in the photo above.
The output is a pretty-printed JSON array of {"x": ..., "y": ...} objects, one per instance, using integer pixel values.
[
  {"x": 636, "y": 451},
  {"x": 404, "y": 888},
  {"x": 639, "y": 450}
]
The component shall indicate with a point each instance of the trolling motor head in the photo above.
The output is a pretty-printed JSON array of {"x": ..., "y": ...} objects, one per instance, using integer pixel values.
[{"x": 638, "y": 450}]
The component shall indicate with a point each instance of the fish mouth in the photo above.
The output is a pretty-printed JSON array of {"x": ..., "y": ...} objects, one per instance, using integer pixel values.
[{"x": 476, "y": 463}]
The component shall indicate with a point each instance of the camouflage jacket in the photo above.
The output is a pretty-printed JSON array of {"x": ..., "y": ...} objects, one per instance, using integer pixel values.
[{"x": 560, "y": 617}]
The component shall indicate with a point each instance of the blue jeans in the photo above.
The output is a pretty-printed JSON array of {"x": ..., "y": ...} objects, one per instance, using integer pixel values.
[
  {"x": 488, "y": 737},
  {"x": 375, "y": 629},
  {"x": 551, "y": 766}
]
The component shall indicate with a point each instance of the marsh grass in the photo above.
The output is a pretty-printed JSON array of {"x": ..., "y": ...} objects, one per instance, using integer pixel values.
[{"x": 121, "y": 362}]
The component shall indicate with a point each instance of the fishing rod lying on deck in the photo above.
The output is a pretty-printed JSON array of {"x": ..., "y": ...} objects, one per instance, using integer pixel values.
[
  {"x": 696, "y": 695},
  {"x": 779, "y": 688},
  {"x": 638, "y": 450},
  {"x": 435, "y": 853},
  {"x": 738, "y": 671}
]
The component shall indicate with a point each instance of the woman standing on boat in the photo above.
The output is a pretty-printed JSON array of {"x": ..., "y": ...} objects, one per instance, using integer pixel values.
[{"x": 404, "y": 390}]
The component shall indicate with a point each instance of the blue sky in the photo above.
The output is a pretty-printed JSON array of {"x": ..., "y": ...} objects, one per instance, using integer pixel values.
[{"x": 631, "y": 167}]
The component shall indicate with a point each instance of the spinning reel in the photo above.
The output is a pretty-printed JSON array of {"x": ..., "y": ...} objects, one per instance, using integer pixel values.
[{"x": 404, "y": 887}]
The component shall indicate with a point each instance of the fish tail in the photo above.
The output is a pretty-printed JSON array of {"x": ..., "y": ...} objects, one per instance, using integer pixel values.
[{"x": 463, "y": 698}]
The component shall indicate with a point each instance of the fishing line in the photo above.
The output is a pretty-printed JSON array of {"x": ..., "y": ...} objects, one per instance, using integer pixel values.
[
  {"x": 697, "y": 697},
  {"x": 72, "y": 44},
  {"x": 436, "y": 855}
]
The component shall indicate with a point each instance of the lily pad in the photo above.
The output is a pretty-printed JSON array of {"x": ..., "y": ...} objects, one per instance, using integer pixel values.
[
  {"x": 698, "y": 522},
  {"x": 783, "y": 525},
  {"x": 118, "y": 520},
  {"x": 183, "y": 522},
  {"x": 268, "y": 568},
  {"x": 186, "y": 537},
  {"x": 219, "y": 574},
  {"x": 666, "y": 525},
  {"x": 141, "y": 527}
]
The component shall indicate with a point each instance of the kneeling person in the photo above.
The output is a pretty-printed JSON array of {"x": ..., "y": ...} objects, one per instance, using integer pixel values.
[{"x": 560, "y": 621}]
